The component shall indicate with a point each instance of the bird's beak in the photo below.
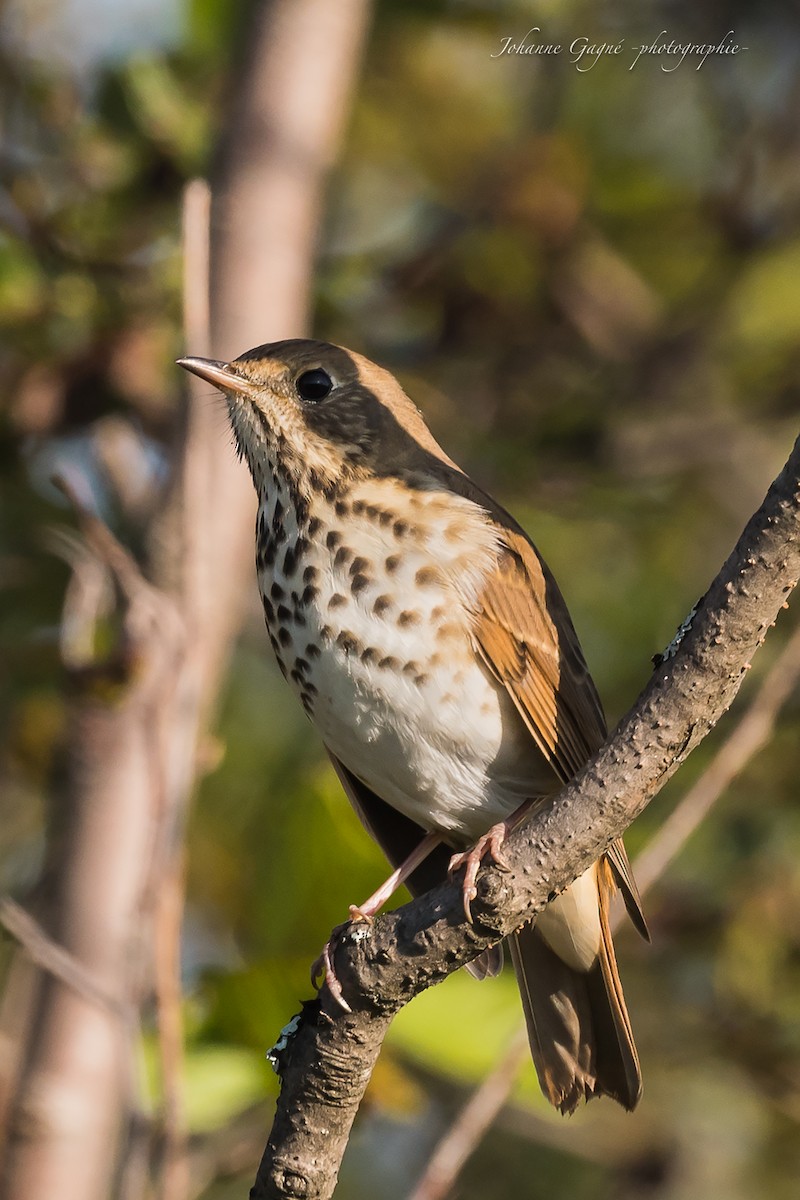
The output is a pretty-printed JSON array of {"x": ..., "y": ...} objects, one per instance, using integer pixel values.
[{"x": 218, "y": 373}]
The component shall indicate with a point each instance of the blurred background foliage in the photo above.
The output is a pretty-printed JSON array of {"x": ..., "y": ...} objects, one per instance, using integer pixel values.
[{"x": 590, "y": 283}]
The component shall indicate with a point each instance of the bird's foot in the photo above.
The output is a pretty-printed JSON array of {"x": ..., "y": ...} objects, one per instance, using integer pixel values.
[
  {"x": 490, "y": 843},
  {"x": 363, "y": 913},
  {"x": 323, "y": 969}
]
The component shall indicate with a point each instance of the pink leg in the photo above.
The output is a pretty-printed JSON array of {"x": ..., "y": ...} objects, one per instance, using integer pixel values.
[
  {"x": 366, "y": 911},
  {"x": 490, "y": 842}
]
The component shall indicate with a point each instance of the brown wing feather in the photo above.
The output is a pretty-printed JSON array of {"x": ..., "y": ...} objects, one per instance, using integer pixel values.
[{"x": 525, "y": 636}]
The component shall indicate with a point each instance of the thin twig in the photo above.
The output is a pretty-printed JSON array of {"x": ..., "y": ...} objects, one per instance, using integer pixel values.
[
  {"x": 190, "y": 501},
  {"x": 105, "y": 545},
  {"x": 195, "y": 225},
  {"x": 53, "y": 958},
  {"x": 750, "y": 735},
  {"x": 472, "y": 1123}
]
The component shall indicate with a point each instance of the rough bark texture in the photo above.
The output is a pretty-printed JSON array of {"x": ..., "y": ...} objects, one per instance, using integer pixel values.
[{"x": 327, "y": 1062}]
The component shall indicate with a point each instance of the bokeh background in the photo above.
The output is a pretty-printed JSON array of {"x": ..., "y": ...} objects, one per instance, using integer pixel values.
[{"x": 590, "y": 283}]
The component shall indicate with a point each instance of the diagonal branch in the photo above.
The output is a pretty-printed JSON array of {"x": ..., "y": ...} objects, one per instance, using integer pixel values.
[
  {"x": 750, "y": 735},
  {"x": 326, "y": 1065}
]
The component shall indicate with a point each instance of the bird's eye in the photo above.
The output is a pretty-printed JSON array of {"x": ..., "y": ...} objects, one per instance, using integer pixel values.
[{"x": 314, "y": 385}]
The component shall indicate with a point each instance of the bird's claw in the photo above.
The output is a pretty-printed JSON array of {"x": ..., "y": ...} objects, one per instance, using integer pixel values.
[
  {"x": 359, "y": 914},
  {"x": 490, "y": 843},
  {"x": 323, "y": 967}
]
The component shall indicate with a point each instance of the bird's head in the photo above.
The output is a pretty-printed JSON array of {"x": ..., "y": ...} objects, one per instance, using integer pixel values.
[{"x": 318, "y": 414}]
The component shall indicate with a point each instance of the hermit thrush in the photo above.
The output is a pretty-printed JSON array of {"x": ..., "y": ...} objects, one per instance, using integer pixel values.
[{"x": 432, "y": 649}]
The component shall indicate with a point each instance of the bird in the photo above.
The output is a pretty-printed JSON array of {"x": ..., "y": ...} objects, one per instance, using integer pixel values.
[{"x": 429, "y": 643}]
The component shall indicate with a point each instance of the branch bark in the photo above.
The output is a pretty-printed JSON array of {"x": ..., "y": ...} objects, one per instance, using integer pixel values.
[
  {"x": 326, "y": 1062},
  {"x": 750, "y": 735}
]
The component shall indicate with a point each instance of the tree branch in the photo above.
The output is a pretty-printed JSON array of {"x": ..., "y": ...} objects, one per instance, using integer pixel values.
[
  {"x": 326, "y": 1062},
  {"x": 750, "y": 735}
]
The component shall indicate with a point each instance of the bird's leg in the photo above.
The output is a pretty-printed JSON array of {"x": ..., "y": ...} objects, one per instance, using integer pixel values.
[
  {"x": 490, "y": 843},
  {"x": 366, "y": 911}
]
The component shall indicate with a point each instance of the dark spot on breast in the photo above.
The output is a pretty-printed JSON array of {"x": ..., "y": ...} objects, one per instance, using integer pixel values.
[
  {"x": 389, "y": 663},
  {"x": 312, "y": 649},
  {"x": 296, "y": 675},
  {"x": 271, "y": 553},
  {"x": 310, "y": 574},
  {"x": 273, "y": 641},
  {"x": 392, "y": 563},
  {"x": 269, "y": 611},
  {"x": 358, "y": 584},
  {"x": 292, "y": 555},
  {"x": 400, "y": 528},
  {"x": 277, "y": 592},
  {"x": 456, "y": 532},
  {"x": 309, "y": 595},
  {"x": 281, "y": 664},
  {"x": 337, "y": 600},
  {"x": 422, "y": 679},
  {"x": 342, "y": 508},
  {"x": 277, "y": 515},
  {"x": 284, "y": 613},
  {"x": 386, "y": 517},
  {"x": 342, "y": 555},
  {"x": 437, "y": 613},
  {"x": 314, "y": 526},
  {"x": 348, "y": 642},
  {"x": 333, "y": 538},
  {"x": 284, "y": 637},
  {"x": 408, "y": 617},
  {"x": 358, "y": 507},
  {"x": 411, "y": 668},
  {"x": 301, "y": 665},
  {"x": 369, "y": 656},
  {"x": 426, "y": 576},
  {"x": 381, "y": 604},
  {"x": 310, "y": 690},
  {"x": 359, "y": 565}
]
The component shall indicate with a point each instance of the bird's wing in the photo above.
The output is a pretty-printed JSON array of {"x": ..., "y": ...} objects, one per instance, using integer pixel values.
[{"x": 525, "y": 636}]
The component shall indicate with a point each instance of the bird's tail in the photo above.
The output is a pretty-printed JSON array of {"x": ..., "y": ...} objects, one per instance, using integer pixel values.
[{"x": 578, "y": 1026}]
